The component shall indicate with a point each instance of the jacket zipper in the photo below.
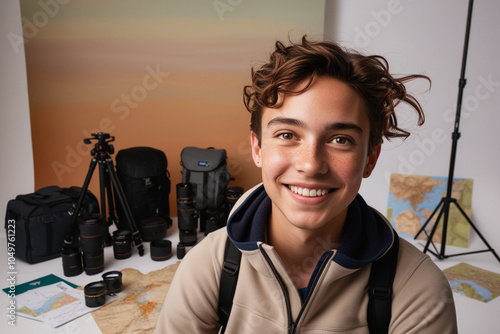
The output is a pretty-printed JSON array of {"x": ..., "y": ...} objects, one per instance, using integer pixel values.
[
  {"x": 313, "y": 286},
  {"x": 292, "y": 325}
]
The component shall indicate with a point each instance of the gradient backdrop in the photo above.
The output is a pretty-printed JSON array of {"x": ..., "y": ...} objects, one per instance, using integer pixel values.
[{"x": 160, "y": 73}]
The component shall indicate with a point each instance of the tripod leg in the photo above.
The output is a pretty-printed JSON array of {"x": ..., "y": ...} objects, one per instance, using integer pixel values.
[
  {"x": 422, "y": 229},
  {"x": 125, "y": 206},
  {"x": 433, "y": 231},
  {"x": 105, "y": 189},
  {"x": 111, "y": 206},
  {"x": 102, "y": 189},
  {"x": 68, "y": 240},
  {"x": 446, "y": 208},
  {"x": 476, "y": 230}
]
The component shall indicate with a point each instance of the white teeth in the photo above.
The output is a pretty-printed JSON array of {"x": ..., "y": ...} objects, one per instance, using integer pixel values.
[{"x": 308, "y": 192}]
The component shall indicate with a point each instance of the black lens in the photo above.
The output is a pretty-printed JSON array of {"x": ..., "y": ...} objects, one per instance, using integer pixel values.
[
  {"x": 122, "y": 244},
  {"x": 92, "y": 228},
  {"x": 95, "y": 294},
  {"x": 112, "y": 281},
  {"x": 161, "y": 250},
  {"x": 93, "y": 263},
  {"x": 72, "y": 261},
  {"x": 186, "y": 213},
  {"x": 232, "y": 196}
]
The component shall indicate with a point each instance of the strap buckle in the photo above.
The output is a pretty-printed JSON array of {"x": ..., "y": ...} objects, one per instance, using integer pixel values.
[
  {"x": 382, "y": 292},
  {"x": 230, "y": 267}
]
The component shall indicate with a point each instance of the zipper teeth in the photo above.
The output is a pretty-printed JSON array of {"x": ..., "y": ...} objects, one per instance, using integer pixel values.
[
  {"x": 291, "y": 324},
  {"x": 315, "y": 282}
]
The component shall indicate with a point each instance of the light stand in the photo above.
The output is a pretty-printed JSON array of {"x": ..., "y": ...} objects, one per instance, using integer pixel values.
[{"x": 444, "y": 204}]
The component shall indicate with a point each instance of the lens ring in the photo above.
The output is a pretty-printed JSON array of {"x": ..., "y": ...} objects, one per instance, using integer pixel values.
[
  {"x": 113, "y": 281},
  {"x": 161, "y": 250},
  {"x": 95, "y": 294}
]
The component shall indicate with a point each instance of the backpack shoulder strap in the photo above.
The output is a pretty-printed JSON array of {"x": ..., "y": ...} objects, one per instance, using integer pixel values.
[
  {"x": 228, "y": 280},
  {"x": 380, "y": 289}
]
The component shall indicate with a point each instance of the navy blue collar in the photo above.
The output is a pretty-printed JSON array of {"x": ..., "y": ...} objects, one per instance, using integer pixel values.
[{"x": 365, "y": 235}]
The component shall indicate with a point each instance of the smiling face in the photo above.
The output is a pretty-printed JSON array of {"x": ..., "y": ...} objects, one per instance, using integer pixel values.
[{"x": 313, "y": 152}]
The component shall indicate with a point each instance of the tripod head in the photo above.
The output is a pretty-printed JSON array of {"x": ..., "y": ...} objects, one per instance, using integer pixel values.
[{"x": 102, "y": 147}]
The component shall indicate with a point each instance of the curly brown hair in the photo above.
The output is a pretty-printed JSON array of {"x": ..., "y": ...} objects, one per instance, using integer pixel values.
[{"x": 367, "y": 75}]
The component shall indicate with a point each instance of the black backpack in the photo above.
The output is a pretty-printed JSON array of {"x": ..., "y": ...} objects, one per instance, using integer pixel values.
[
  {"x": 143, "y": 175},
  {"x": 379, "y": 287},
  {"x": 207, "y": 169}
]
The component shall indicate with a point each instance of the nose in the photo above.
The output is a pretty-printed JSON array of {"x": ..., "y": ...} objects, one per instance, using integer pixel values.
[{"x": 311, "y": 159}]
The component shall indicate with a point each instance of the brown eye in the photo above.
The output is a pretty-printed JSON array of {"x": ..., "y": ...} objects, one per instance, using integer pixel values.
[
  {"x": 286, "y": 136},
  {"x": 342, "y": 141}
]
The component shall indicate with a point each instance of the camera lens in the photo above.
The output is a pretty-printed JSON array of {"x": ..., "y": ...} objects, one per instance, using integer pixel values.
[
  {"x": 112, "y": 281},
  {"x": 72, "y": 261},
  {"x": 92, "y": 227},
  {"x": 232, "y": 196},
  {"x": 161, "y": 250},
  {"x": 93, "y": 263},
  {"x": 181, "y": 251},
  {"x": 95, "y": 294},
  {"x": 186, "y": 213},
  {"x": 122, "y": 244}
]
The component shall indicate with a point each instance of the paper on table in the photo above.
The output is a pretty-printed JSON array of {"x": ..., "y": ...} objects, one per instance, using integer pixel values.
[{"x": 54, "y": 304}]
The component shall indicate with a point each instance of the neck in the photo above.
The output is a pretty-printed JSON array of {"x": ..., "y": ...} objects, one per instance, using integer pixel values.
[{"x": 300, "y": 249}]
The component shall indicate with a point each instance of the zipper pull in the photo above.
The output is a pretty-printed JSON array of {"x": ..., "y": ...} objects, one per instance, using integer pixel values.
[{"x": 291, "y": 328}]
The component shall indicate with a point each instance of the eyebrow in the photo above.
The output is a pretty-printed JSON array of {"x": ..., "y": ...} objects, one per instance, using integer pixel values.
[{"x": 299, "y": 123}]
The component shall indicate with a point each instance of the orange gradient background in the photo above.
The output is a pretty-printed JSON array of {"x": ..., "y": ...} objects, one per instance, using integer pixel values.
[{"x": 164, "y": 74}]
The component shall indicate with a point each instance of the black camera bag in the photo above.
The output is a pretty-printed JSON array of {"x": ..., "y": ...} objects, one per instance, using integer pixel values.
[
  {"x": 143, "y": 175},
  {"x": 207, "y": 168},
  {"x": 40, "y": 221},
  {"x": 153, "y": 228}
]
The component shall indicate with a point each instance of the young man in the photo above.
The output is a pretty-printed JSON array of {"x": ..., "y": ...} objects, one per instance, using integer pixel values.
[{"x": 307, "y": 237}]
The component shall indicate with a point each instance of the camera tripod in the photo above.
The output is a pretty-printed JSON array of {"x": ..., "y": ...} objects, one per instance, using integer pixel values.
[
  {"x": 446, "y": 201},
  {"x": 107, "y": 177}
]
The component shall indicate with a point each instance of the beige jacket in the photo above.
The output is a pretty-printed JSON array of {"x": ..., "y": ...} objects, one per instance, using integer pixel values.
[{"x": 422, "y": 298}]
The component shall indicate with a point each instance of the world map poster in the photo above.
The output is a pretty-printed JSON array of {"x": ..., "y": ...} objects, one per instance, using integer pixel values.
[{"x": 413, "y": 199}]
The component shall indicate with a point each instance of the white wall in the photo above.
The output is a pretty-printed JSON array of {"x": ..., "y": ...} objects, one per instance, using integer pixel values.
[
  {"x": 428, "y": 37},
  {"x": 16, "y": 154}
]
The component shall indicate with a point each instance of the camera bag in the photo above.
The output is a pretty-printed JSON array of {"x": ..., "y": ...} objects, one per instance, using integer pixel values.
[
  {"x": 40, "y": 221},
  {"x": 153, "y": 228},
  {"x": 144, "y": 177},
  {"x": 207, "y": 168}
]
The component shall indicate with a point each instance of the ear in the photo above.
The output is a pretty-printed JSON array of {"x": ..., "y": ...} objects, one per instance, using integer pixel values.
[
  {"x": 256, "y": 151},
  {"x": 372, "y": 161}
]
